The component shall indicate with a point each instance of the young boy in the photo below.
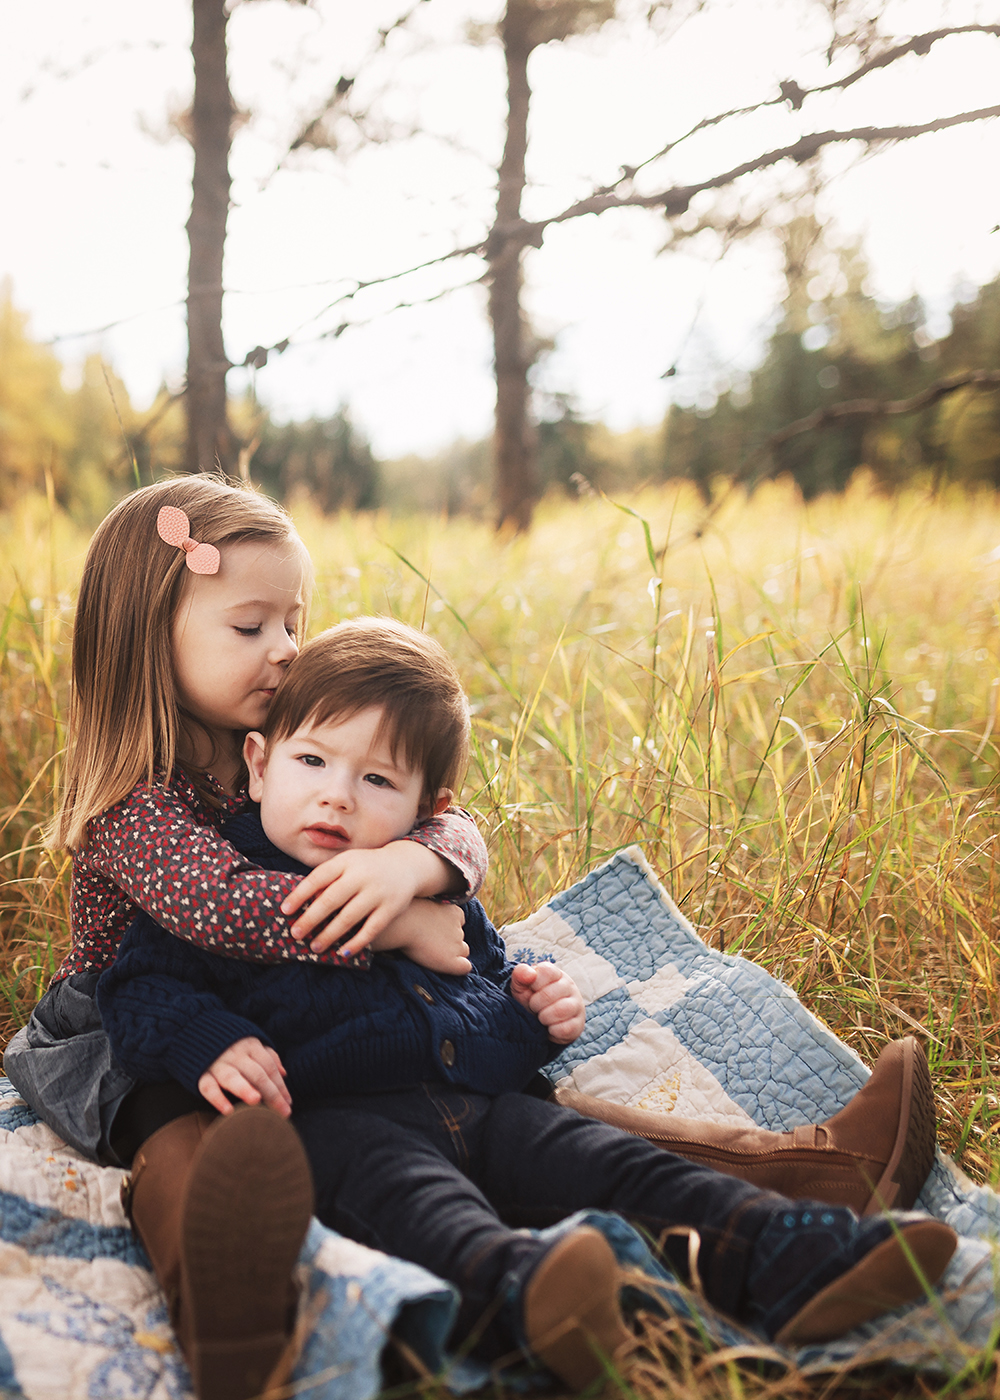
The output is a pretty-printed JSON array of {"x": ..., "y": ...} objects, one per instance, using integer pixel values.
[{"x": 407, "y": 1085}]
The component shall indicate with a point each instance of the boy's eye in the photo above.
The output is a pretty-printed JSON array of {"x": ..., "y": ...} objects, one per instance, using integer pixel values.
[
  {"x": 377, "y": 780},
  {"x": 249, "y": 631},
  {"x": 311, "y": 760}
]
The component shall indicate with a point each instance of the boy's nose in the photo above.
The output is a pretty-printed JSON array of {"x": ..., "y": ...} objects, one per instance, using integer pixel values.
[{"x": 337, "y": 793}]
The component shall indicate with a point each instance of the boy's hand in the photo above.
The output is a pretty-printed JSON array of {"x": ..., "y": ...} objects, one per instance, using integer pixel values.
[
  {"x": 250, "y": 1071},
  {"x": 367, "y": 887},
  {"x": 554, "y": 998},
  {"x": 431, "y": 934}
]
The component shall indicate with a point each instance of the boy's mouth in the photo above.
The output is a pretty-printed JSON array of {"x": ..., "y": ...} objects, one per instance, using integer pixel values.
[{"x": 331, "y": 838}]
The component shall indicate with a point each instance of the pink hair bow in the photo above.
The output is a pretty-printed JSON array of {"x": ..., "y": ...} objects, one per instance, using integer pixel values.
[{"x": 173, "y": 527}]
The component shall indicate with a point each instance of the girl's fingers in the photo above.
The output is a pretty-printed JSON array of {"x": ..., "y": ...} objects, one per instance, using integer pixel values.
[
  {"x": 309, "y": 886},
  {"x": 341, "y": 906},
  {"x": 357, "y": 911}
]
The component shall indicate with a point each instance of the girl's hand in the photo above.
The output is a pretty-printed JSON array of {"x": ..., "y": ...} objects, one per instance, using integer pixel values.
[
  {"x": 251, "y": 1071},
  {"x": 554, "y": 998},
  {"x": 431, "y": 934},
  {"x": 367, "y": 887}
]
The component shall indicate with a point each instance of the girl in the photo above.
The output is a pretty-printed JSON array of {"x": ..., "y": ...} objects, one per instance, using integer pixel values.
[{"x": 191, "y": 603}]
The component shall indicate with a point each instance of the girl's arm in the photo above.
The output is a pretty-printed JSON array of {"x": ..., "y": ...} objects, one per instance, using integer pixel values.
[
  {"x": 152, "y": 849},
  {"x": 151, "y": 852},
  {"x": 366, "y": 889},
  {"x": 454, "y": 836}
]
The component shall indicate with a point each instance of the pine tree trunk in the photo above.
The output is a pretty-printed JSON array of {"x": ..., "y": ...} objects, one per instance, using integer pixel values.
[
  {"x": 210, "y": 441},
  {"x": 516, "y": 477}
]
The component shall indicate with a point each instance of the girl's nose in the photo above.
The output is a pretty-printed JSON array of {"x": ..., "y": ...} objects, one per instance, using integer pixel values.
[{"x": 282, "y": 649}]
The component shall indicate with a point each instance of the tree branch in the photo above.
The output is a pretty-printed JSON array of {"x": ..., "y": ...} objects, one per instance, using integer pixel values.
[
  {"x": 676, "y": 200},
  {"x": 673, "y": 201},
  {"x": 988, "y": 379},
  {"x": 791, "y": 92},
  {"x": 309, "y": 133}
]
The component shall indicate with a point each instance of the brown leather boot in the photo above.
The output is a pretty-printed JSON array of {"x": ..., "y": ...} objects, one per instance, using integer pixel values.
[
  {"x": 572, "y": 1319},
  {"x": 222, "y": 1206},
  {"x": 873, "y": 1155}
]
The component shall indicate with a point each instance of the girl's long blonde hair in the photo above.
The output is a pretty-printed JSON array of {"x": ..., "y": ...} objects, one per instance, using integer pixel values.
[{"x": 124, "y": 718}]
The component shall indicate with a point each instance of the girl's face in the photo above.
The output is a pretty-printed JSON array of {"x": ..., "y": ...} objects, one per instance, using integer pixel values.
[{"x": 233, "y": 636}]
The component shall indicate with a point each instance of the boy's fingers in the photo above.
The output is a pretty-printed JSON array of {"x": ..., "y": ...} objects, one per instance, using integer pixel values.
[
  {"x": 208, "y": 1088},
  {"x": 234, "y": 1083},
  {"x": 267, "y": 1080},
  {"x": 565, "y": 1009}
]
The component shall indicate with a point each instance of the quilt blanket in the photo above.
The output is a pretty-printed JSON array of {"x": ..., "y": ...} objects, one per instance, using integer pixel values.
[{"x": 672, "y": 1025}]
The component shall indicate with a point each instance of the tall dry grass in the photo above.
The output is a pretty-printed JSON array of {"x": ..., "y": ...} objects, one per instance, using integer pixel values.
[{"x": 794, "y": 712}]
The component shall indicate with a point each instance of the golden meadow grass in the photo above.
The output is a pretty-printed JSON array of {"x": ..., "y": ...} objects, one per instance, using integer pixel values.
[{"x": 794, "y": 714}]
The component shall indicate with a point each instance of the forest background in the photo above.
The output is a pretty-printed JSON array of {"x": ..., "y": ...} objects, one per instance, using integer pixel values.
[{"x": 833, "y": 342}]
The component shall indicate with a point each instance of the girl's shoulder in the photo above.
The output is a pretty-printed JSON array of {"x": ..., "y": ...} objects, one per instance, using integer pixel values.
[{"x": 163, "y": 801}]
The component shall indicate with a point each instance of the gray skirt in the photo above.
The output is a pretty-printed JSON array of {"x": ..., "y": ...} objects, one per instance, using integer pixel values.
[{"x": 61, "y": 1064}]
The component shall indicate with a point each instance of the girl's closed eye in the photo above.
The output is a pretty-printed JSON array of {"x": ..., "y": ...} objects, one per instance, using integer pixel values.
[{"x": 248, "y": 631}]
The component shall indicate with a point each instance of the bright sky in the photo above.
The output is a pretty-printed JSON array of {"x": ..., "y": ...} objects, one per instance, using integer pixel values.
[{"x": 97, "y": 193}]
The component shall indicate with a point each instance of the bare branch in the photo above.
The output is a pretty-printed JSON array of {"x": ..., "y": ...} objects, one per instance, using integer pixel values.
[
  {"x": 258, "y": 357},
  {"x": 919, "y": 44},
  {"x": 988, "y": 379},
  {"x": 795, "y": 95},
  {"x": 676, "y": 200},
  {"x": 310, "y": 133},
  {"x": 673, "y": 202}
]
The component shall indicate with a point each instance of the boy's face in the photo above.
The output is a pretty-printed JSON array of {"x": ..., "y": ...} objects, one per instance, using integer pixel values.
[{"x": 334, "y": 787}]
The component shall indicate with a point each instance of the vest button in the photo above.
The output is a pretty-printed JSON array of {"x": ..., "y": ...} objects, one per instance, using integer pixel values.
[
  {"x": 424, "y": 993},
  {"x": 447, "y": 1054}
]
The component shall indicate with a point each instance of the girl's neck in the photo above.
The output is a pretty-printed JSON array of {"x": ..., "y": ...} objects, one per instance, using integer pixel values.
[{"x": 217, "y": 753}]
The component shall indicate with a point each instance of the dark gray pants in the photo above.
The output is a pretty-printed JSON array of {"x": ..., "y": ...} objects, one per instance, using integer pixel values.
[
  {"x": 448, "y": 1178},
  {"x": 61, "y": 1064}
]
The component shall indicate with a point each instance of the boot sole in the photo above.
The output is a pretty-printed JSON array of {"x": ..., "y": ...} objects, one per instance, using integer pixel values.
[
  {"x": 247, "y": 1209},
  {"x": 884, "y": 1279},
  {"x": 912, "y": 1155},
  {"x": 572, "y": 1316}
]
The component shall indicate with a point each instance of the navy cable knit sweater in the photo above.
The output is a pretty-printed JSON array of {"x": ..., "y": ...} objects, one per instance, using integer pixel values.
[{"x": 171, "y": 1008}]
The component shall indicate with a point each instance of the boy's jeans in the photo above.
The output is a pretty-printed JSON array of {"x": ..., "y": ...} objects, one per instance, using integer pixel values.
[{"x": 440, "y": 1175}]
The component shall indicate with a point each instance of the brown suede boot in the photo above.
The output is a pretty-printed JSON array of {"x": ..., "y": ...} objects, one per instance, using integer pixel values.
[
  {"x": 873, "y": 1155},
  {"x": 572, "y": 1319},
  {"x": 222, "y": 1206}
]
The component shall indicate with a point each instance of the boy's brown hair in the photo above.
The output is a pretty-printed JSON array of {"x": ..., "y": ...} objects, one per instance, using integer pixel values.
[{"x": 376, "y": 661}]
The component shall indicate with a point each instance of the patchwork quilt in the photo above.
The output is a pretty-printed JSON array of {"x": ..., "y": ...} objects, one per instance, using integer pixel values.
[{"x": 672, "y": 1025}]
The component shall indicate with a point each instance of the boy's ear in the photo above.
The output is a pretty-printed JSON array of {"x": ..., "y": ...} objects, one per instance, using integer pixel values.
[
  {"x": 253, "y": 757},
  {"x": 432, "y": 809}
]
